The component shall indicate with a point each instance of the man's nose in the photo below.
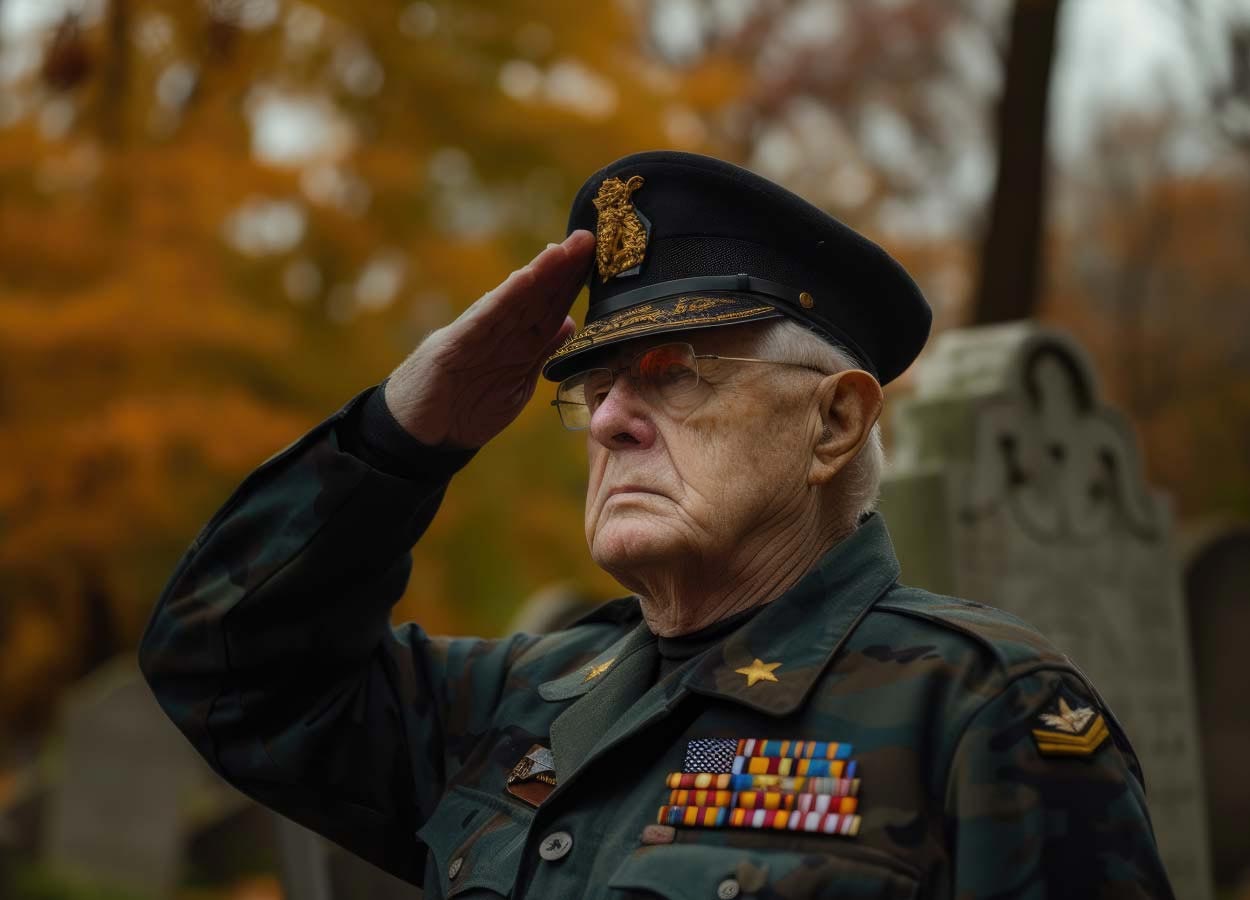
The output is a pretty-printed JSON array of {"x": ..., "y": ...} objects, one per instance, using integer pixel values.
[{"x": 624, "y": 419}]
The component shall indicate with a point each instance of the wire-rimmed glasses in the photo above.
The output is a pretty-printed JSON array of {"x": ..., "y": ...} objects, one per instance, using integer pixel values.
[{"x": 666, "y": 376}]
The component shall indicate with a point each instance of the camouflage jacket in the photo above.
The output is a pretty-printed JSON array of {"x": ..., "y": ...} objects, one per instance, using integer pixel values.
[{"x": 271, "y": 648}]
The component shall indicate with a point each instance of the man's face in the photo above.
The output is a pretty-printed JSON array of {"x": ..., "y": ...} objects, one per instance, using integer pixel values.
[{"x": 699, "y": 487}]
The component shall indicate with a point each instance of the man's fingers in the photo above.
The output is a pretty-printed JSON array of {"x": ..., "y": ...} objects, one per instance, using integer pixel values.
[
  {"x": 547, "y": 286},
  {"x": 572, "y": 253},
  {"x": 567, "y": 327}
]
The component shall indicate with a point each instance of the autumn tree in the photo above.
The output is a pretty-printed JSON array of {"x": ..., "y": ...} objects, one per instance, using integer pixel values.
[{"x": 222, "y": 219}]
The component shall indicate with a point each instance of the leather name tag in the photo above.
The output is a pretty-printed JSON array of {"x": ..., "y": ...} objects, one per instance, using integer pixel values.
[{"x": 533, "y": 778}]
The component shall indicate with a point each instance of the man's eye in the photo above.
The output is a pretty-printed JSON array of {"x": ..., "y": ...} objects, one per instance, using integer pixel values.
[{"x": 673, "y": 374}]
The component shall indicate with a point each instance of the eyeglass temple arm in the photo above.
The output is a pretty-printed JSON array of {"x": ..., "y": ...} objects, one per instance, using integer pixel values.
[{"x": 774, "y": 362}]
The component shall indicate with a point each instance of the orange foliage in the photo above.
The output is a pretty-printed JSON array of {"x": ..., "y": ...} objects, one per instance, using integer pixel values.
[{"x": 147, "y": 364}]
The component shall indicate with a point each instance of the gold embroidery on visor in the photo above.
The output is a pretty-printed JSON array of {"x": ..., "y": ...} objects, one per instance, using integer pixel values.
[{"x": 642, "y": 319}]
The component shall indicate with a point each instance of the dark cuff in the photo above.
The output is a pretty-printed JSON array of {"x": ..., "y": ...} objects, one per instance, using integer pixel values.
[{"x": 371, "y": 433}]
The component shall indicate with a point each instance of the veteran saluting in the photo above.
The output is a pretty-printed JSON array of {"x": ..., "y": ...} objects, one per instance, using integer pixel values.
[{"x": 768, "y": 714}]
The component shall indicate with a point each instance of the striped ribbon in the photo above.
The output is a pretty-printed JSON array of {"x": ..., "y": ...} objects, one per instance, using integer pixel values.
[
  {"x": 774, "y": 819},
  {"x": 779, "y": 765},
  {"x": 821, "y": 803},
  {"x": 701, "y": 798},
  {"x": 838, "y": 787},
  {"x": 794, "y": 749}
]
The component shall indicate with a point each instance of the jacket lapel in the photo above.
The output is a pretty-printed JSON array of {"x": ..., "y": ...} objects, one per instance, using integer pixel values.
[{"x": 608, "y": 687}]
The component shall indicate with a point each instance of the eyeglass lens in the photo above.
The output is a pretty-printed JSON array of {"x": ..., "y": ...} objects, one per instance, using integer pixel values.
[{"x": 663, "y": 376}]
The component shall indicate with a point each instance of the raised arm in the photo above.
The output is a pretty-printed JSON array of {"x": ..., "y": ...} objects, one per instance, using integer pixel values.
[{"x": 271, "y": 646}]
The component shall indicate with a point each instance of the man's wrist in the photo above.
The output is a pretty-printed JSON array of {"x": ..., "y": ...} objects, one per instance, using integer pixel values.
[{"x": 374, "y": 435}]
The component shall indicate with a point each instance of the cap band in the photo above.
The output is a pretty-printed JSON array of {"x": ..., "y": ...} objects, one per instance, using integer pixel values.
[{"x": 701, "y": 284}]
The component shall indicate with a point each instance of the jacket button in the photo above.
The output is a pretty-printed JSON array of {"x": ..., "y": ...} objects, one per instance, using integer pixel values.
[
  {"x": 728, "y": 889},
  {"x": 556, "y": 846},
  {"x": 454, "y": 869}
]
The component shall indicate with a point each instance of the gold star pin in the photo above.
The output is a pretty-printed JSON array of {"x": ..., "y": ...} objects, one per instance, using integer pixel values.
[
  {"x": 758, "y": 671},
  {"x": 596, "y": 671}
]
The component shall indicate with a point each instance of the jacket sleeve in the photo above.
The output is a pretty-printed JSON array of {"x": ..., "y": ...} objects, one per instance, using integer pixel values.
[
  {"x": 271, "y": 647},
  {"x": 1030, "y": 818}
]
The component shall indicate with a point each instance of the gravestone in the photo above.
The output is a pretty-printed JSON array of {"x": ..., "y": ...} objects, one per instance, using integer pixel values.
[
  {"x": 549, "y": 609},
  {"x": 1217, "y": 593},
  {"x": 304, "y": 861},
  {"x": 1013, "y": 485},
  {"x": 316, "y": 869},
  {"x": 115, "y": 809}
]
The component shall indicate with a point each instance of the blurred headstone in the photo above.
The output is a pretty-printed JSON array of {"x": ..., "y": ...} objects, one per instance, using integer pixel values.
[
  {"x": 1013, "y": 485},
  {"x": 115, "y": 810},
  {"x": 305, "y": 867},
  {"x": 550, "y": 609},
  {"x": 352, "y": 877},
  {"x": 316, "y": 869},
  {"x": 1217, "y": 592}
]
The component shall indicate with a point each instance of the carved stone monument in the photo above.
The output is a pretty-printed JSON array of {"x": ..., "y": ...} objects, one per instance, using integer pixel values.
[
  {"x": 1011, "y": 484},
  {"x": 115, "y": 812},
  {"x": 315, "y": 869}
]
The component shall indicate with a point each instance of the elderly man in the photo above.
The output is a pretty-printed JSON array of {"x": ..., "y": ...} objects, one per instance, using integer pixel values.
[{"x": 770, "y": 714}]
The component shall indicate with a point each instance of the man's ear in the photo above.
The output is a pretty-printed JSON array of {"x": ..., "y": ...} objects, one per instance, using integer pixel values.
[{"x": 849, "y": 404}]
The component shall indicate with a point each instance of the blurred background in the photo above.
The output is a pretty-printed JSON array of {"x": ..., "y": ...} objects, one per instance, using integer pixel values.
[{"x": 221, "y": 219}]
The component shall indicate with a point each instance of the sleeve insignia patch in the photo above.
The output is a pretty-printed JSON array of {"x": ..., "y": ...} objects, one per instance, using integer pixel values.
[
  {"x": 1069, "y": 730},
  {"x": 621, "y": 231}
]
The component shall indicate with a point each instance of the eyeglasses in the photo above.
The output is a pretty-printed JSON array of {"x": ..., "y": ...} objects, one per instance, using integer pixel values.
[{"x": 666, "y": 377}]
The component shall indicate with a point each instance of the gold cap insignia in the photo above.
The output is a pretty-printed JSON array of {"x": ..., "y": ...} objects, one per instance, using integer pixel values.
[
  {"x": 1070, "y": 732},
  {"x": 621, "y": 236}
]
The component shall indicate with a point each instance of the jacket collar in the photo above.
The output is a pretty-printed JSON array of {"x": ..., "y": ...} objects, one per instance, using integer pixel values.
[
  {"x": 801, "y": 631},
  {"x": 590, "y": 675}
]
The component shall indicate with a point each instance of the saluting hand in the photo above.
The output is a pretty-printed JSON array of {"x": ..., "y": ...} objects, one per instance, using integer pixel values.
[{"x": 467, "y": 381}]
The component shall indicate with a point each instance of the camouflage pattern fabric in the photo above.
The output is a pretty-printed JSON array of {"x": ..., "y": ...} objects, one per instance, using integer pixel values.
[{"x": 272, "y": 650}]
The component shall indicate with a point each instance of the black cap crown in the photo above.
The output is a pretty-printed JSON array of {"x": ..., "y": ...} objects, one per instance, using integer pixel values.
[{"x": 687, "y": 241}]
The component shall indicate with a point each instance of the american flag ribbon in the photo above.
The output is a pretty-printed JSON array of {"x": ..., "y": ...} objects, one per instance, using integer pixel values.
[
  {"x": 839, "y": 787},
  {"x": 765, "y": 783},
  {"x": 710, "y": 755}
]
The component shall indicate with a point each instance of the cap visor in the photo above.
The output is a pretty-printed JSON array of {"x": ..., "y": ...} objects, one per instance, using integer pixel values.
[{"x": 681, "y": 313}]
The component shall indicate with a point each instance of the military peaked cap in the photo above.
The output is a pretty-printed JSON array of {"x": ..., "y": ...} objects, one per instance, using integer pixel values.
[{"x": 687, "y": 241}]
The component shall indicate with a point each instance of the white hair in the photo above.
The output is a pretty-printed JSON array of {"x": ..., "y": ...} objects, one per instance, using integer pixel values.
[{"x": 785, "y": 339}]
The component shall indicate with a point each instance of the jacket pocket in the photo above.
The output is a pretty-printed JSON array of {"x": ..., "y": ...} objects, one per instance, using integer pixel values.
[
  {"x": 475, "y": 843},
  {"x": 690, "y": 871}
]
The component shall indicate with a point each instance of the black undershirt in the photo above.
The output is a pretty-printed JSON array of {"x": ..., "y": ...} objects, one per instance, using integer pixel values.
[{"x": 676, "y": 650}]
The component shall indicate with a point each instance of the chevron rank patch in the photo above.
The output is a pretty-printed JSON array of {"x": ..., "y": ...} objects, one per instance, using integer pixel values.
[
  {"x": 1070, "y": 727},
  {"x": 765, "y": 784}
]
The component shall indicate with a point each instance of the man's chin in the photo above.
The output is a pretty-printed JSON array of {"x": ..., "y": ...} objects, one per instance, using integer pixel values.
[{"x": 622, "y": 548}]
